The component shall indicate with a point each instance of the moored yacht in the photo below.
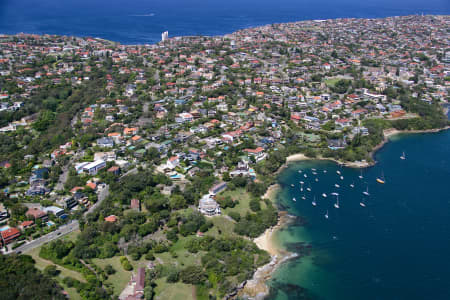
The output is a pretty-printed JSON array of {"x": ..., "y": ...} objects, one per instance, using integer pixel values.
[
  {"x": 366, "y": 192},
  {"x": 337, "y": 202},
  {"x": 403, "y": 156},
  {"x": 381, "y": 180}
]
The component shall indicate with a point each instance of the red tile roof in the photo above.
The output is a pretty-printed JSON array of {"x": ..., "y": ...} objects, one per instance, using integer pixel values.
[
  {"x": 10, "y": 233},
  {"x": 27, "y": 223},
  {"x": 111, "y": 218}
]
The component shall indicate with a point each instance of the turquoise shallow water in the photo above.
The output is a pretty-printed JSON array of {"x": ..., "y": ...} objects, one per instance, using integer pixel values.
[{"x": 397, "y": 247}]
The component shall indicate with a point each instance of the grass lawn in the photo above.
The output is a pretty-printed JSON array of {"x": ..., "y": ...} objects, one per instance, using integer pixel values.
[
  {"x": 119, "y": 279},
  {"x": 332, "y": 81},
  {"x": 244, "y": 198},
  {"x": 223, "y": 224},
  {"x": 71, "y": 236},
  {"x": 42, "y": 263},
  {"x": 184, "y": 258},
  {"x": 73, "y": 295},
  {"x": 173, "y": 291}
]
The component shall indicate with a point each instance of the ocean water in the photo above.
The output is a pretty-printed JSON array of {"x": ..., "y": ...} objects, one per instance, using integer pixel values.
[
  {"x": 397, "y": 247},
  {"x": 142, "y": 21}
]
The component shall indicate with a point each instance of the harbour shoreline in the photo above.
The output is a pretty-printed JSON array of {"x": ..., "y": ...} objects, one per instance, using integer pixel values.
[
  {"x": 387, "y": 133},
  {"x": 257, "y": 287}
]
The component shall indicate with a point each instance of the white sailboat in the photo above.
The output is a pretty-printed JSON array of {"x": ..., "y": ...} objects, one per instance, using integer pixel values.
[
  {"x": 304, "y": 175},
  {"x": 366, "y": 192},
  {"x": 303, "y": 198},
  {"x": 342, "y": 177},
  {"x": 337, "y": 185},
  {"x": 335, "y": 194},
  {"x": 292, "y": 184},
  {"x": 299, "y": 171},
  {"x": 362, "y": 203},
  {"x": 324, "y": 195},
  {"x": 313, "y": 169},
  {"x": 293, "y": 199},
  {"x": 360, "y": 176},
  {"x": 326, "y": 215},
  {"x": 301, "y": 186},
  {"x": 352, "y": 185},
  {"x": 403, "y": 156},
  {"x": 337, "y": 202},
  {"x": 314, "y": 201},
  {"x": 317, "y": 179},
  {"x": 324, "y": 171},
  {"x": 338, "y": 172},
  {"x": 309, "y": 188}
]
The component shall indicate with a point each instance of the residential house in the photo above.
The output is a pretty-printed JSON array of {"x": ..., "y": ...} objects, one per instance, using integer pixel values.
[
  {"x": 58, "y": 212},
  {"x": 9, "y": 235},
  {"x": 36, "y": 213},
  {"x": 208, "y": 206},
  {"x": 105, "y": 142},
  {"x": 93, "y": 167},
  {"x": 257, "y": 153},
  {"x": 115, "y": 170},
  {"x": 218, "y": 188}
]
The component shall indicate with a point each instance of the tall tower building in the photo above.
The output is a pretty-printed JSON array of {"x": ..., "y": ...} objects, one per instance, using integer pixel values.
[{"x": 164, "y": 36}]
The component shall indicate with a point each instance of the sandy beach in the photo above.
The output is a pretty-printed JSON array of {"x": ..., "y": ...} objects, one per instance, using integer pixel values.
[
  {"x": 350, "y": 164},
  {"x": 266, "y": 242},
  {"x": 392, "y": 131},
  {"x": 271, "y": 192},
  {"x": 256, "y": 288}
]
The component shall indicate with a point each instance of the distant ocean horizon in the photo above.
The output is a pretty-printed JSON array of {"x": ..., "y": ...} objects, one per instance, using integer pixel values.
[{"x": 143, "y": 21}]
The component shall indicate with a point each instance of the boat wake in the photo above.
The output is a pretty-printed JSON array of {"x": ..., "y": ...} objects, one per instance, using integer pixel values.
[{"x": 144, "y": 15}]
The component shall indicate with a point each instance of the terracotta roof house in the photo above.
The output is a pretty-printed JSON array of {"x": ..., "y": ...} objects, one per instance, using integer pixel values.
[
  {"x": 76, "y": 189},
  {"x": 36, "y": 213},
  {"x": 111, "y": 218},
  {"x": 258, "y": 153},
  {"x": 115, "y": 170},
  {"x": 9, "y": 235},
  {"x": 26, "y": 224},
  {"x": 92, "y": 185},
  {"x": 130, "y": 131}
]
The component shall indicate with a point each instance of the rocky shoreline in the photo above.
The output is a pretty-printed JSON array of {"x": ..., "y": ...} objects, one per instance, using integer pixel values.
[{"x": 257, "y": 288}]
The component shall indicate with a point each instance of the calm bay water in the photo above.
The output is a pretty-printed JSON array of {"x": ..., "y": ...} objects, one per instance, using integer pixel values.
[
  {"x": 396, "y": 247},
  {"x": 142, "y": 21}
]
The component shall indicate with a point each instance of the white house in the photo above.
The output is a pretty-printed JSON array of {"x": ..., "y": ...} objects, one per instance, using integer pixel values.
[
  {"x": 93, "y": 167},
  {"x": 208, "y": 206},
  {"x": 184, "y": 117}
]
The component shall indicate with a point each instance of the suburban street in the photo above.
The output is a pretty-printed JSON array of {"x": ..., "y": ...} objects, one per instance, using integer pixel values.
[{"x": 62, "y": 230}]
